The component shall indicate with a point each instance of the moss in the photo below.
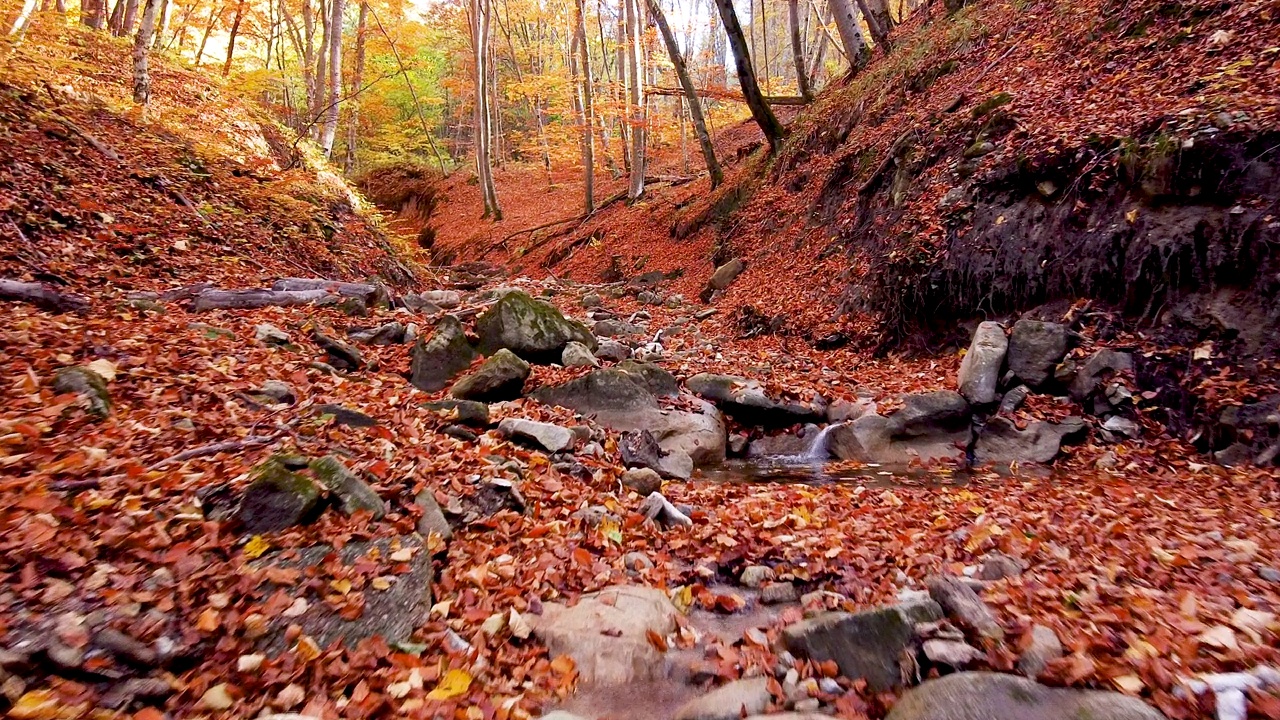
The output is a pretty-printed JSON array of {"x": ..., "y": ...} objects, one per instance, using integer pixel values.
[
  {"x": 275, "y": 471},
  {"x": 998, "y": 100},
  {"x": 89, "y": 385}
]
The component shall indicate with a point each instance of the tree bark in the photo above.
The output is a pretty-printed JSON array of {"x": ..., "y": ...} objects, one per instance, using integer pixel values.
[
  {"x": 162, "y": 22},
  {"x": 855, "y": 46},
  {"x": 823, "y": 38},
  {"x": 353, "y": 121},
  {"x": 635, "y": 81},
  {"x": 24, "y": 16},
  {"x": 116, "y": 22},
  {"x": 322, "y": 74},
  {"x": 878, "y": 22},
  {"x": 482, "y": 16},
  {"x": 691, "y": 94},
  {"x": 585, "y": 105},
  {"x": 93, "y": 13},
  {"x": 330, "y": 128},
  {"x": 231, "y": 41},
  {"x": 308, "y": 56},
  {"x": 797, "y": 50},
  {"x": 760, "y": 112},
  {"x": 141, "y": 45}
]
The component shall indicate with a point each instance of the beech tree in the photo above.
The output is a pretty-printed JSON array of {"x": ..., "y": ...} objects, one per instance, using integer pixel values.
[
  {"x": 797, "y": 50},
  {"x": 635, "y": 97},
  {"x": 855, "y": 46},
  {"x": 691, "y": 94},
  {"x": 141, "y": 45},
  {"x": 481, "y": 17},
  {"x": 760, "y": 111},
  {"x": 330, "y": 128},
  {"x": 580, "y": 64}
]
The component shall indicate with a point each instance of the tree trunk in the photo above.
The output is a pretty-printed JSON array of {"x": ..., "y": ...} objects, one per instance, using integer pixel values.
[
  {"x": 162, "y": 23},
  {"x": 585, "y": 106},
  {"x": 482, "y": 12},
  {"x": 330, "y": 128},
  {"x": 635, "y": 80},
  {"x": 719, "y": 73},
  {"x": 214, "y": 12},
  {"x": 322, "y": 74},
  {"x": 878, "y": 22},
  {"x": 797, "y": 50},
  {"x": 141, "y": 45},
  {"x": 855, "y": 46},
  {"x": 231, "y": 41},
  {"x": 760, "y": 112},
  {"x": 691, "y": 93},
  {"x": 130, "y": 17},
  {"x": 623, "y": 99},
  {"x": 815, "y": 66},
  {"x": 308, "y": 57},
  {"x": 20, "y": 24},
  {"x": 93, "y": 13},
  {"x": 116, "y": 22},
  {"x": 353, "y": 122}
]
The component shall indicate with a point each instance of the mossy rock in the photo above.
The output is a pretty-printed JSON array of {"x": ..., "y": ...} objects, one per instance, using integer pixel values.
[
  {"x": 501, "y": 377},
  {"x": 1000, "y": 99},
  {"x": 439, "y": 358},
  {"x": 353, "y": 493},
  {"x": 532, "y": 329},
  {"x": 279, "y": 497},
  {"x": 89, "y": 385}
]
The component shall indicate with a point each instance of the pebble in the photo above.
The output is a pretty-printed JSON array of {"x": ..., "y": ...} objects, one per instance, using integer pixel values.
[
  {"x": 778, "y": 593},
  {"x": 1269, "y": 574},
  {"x": 754, "y": 576}
]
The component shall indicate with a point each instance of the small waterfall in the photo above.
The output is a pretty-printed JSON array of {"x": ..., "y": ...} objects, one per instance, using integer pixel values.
[{"x": 818, "y": 450}]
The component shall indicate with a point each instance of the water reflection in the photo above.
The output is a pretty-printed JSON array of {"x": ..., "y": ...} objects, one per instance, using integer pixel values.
[{"x": 799, "y": 469}]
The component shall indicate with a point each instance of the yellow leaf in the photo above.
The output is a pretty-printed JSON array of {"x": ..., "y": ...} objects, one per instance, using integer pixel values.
[
  {"x": 683, "y": 598},
  {"x": 342, "y": 586},
  {"x": 610, "y": 529},
  {"x": 1132, "y": 216},
  {"x": 380, "y": 583},
  {"x": 1267, "y": 513},
  {"x": 36, "y": 705},
  {"x": 256, "y": 546},
  {"x": 453, "y": 684}
]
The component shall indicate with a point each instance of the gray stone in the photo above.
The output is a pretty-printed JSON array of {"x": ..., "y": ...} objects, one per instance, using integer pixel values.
[
  {"x": 747, "y": 401},
  {"x": 867, "y": 644},
  {"x": 1269, "y": 574},
  {"x": 353, "y": 493},
  {"x": 343, "y": 415},
  {"x": 592, "y": 300},
  {"x": 998, "y": 566},
  {"x": 278, "y": 497},
  {"x": 994, "y": 696},
  {"x": 612, "y": 328},
  {"x": 339, "y": 354},
  {"x": 577, "y": 355},
  {"x": 980, "y": 369},
  {"x": 642, "y": 480},
  {"x": 532, "y": 329},
  {"x": 277, "y": 392},
  {"x": 1041, "y": 647},
  {"x": 1088, "y": 378},
  {"x": 754, "y": 576},
  {"x": 1122, "y": 426},
  {"x": 499, "y": 378},
  {"x": 1013, "y": 400},
  {"x": 640, "y": 449},
  {"x": 636, "y": 561},
  {"x": 779, "y": 592},
  {"x": 1035, "y": 349},
  {"x": 418, "y": 304},
  {"x": 89, "y": 385},
  {"x": 841, "y": 410},
  {"x": 930, "y": 413},
  {"x": 648, "y": 297},
  {"x": 612, "y": 350},
  {"x": 439, "y": 357},
  {"x": 268, "y": 334},
  {"x": 392, "y": 333},
  {"x": 660, "y": 382},
  {"x": 871, "y": 438},
  {"x": 606, "y": 634},
  {"x": 738, "y": 444},
  {"x": 551, "y": 438},
  {"x": 465, "y": 412},
  {"x": 729, "y": 702},
  {"x": 726, "y": 274},
  {"x": 784, "y": 445},
  {"x": 392, "y": 614},
  {"x": 447, "y": 299},
  {"x": 432, "y": 519},
  {"x": 1000, "y": 440},
  {"x": 608, "y": 392}
]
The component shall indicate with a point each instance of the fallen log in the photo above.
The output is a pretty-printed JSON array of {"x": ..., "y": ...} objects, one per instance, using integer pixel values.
[
  {"x": 716, "y": 94},
  {"x": 371, "y": 293},
  {"x": 42, "y": 296},
  {"x": 257, "y": 298},
  {"x": 963, "y": 606}
]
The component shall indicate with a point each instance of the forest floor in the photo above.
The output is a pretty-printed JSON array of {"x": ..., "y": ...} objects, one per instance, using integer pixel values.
[{"x": 1152, "y": 566}]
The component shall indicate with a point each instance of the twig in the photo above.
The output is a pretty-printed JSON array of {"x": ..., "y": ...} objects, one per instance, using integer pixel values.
[
  {"x": 894, "y": 149},
  {"x": 220, "y": 447}
]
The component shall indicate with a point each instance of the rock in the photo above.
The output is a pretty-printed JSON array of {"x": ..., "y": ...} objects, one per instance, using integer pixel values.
[
  {"x": 636, "y": 561},
  {"x": 660, "y": 382},
  {"x": 271, "y": 335},
  {"x": 432, "y": 519},
  {"x": 867, "y": 644},
  {"x": 726, "y": 274},
  {"x": 1013, "y": 400},
  {"x": 551, "y": 438},
  {"x": 605, "y": 393},
  {"x": 278, "y": 497},
  {"x": 392, "y": 614},
  {"x": 561, "y": 715},
  {"x": 459, "y": 432},
  {"x": 1120, "y": 426},
  {"x": 952, "y": 653},
  {"x": 217, "y": 698},
  {"x": 126, "y": 647},
  {"x": 930, "y": 426},
  {"x": 499, "y": 378},
  {"x": 532, "y": 329},
  {"x": 339, "y": 354},
  {"x": 411, "y": 333},
  {"x": 1000, "y": 440},
  {"x": 648, "y": 297},
  {"x": 995, "y": 696},
  {"x": 466, "y": 412},
  {"x": 841, "y": 410},
  {"x": 642, "y": 480},
  {"x": 392, "y": 333},
  {"x": 729, "y": 702},
  {"x": 89, "y": 385},
  {"x": 754, "y": 576},
  {"x": 612, "y": 350},
  {"x": 1035, "y": 349},
  {"x": 447, "y": 299},
  {"x": 930, "y": 413},
  {"x": 592, "y": 300},
  {"x": 353, "y": 306},
  {"x": 1100, "y": 365},
  {"x": 980, "y": 370},
  {"x": 439, "y": 357},
  {"x": 577, "y": 355},
  {"x": 418, "y": 304},
  {"x": 784, "y": 445},
  {"x": 343, "y": 415},
  {"x": 998, "y": 566},
  {"x": 658, "y": 508},
  {"x": 747, "y": 401},
  {"x": 640, "y": 449},
  {"x": 777, "y": 593},
  {"x": 963, "y": 606},
  {"x": 738, "y": 444},
  {"x": 612, "y": 328},
  {"x": 1040, "y": 647},
  {"x": 676, "y": 464},
  {"x": 606, "y": 634},
  {"x": 277, "y": 392},
  {"x": 353, "y": 493}
]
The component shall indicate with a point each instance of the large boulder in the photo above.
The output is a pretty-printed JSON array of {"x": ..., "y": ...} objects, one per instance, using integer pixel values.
[
  {"x": 607, "y": 634},
  {"x": 929, "y": 427},
  {"x": 867, "y": 644},
  {"x": 930, "y": 413},
  {"x": 659, "y": 381},
  {"x": 439, "y": 357},
  {"x": 1035, "y": 349},
  {"x": 279, "y": 496},
  {"x": 499, "y": 378},
  {"x": 392, "y": 613},
  {"x": 577, "y": 355},
  {"x": 747, "y": 401},
  {"x": 1101, "y": 365},
  {"x": 995, "y": 696},
  {"x": 730, "y": 701},
  {"x": 532, "y": 329},
  {"x": 1000, "y": 440},
  {"x": 605, "y": 393},
  {"x": 788, "y": 444},
  {"x": 980, "y": 370}
]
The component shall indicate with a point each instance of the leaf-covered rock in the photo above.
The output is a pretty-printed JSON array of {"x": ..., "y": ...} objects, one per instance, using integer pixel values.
[
  {"x": 532, "y": 329},
  {"x": 439, "y": 357}
]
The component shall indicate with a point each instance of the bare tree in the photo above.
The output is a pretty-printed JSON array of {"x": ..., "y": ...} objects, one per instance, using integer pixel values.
[
  {"x": 93, "y": 13},
  {"x": 583, "y": 103},
  {"x": 855, "y": 46},
  {"x": 760, "y": 112},
  {"x": 878, "y": 21},
  {"x": 231, "y": 41},
  {"x": 691, "y": 94},
  {"x": 481, "y": 17},
  {"x": 141, "y": 46},
  {"x": 330, "y": 128},
  {"x": 635, "y": 82},
  {"x": 24, "y": 16},
  {"x": 357, "y": 79},
  {"x": 797, "y": 50},
  {"x": 214, "y": 12}
]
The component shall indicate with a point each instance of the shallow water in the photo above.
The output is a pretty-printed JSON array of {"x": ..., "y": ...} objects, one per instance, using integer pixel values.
[{"x": 798, "y": 469}]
